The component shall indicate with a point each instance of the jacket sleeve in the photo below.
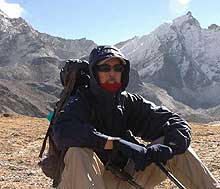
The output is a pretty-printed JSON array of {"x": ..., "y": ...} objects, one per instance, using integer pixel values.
[
  {"x": 72, "y": 128},
  {"x": 150, "y": 122}
]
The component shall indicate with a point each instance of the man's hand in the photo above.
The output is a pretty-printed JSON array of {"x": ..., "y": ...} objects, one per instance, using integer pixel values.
[{"x": 143, "y": 156}]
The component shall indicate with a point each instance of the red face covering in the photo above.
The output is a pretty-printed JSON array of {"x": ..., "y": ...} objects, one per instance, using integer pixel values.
[{"x": 111, "y": 87}]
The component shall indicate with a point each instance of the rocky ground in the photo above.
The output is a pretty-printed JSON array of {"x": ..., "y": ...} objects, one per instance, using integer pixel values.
[{"x": 21, "y": 139}]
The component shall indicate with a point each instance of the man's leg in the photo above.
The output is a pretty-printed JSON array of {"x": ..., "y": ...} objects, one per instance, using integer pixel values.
[
  {"x": 113, "y": 182},
  {"x": 148, "y": 178},
  {"x": 187, "y": 168},
  {"x": 191, "y": 172},
  {"x": 87, "y": 170},
  {"x": 83, "y": 169}
]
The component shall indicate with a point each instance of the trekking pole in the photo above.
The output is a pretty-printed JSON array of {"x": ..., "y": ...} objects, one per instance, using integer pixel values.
[
  {"x": 169, "y": 175},
  {"x": 136, "y": 185}
]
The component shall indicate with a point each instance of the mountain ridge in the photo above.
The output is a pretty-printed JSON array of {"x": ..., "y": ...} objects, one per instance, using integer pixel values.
[
  {"x": 30, "y": 62},
  {"x": 182, "y": 58}
]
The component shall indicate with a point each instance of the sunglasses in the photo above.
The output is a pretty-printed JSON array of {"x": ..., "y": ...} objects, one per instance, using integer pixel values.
[{"x": 108, "y": 68}]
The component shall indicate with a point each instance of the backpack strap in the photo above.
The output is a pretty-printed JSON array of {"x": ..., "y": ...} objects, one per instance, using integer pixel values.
[
  {"x": 44, "y": 143},
  {"x": 60, "y": 104},
  {"x": 68, "y": 88}
]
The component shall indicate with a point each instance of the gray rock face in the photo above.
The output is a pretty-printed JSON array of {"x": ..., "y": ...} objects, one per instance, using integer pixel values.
[
  {"x": 214, "y": 27},
  {"x": 30, "y": 63},
  {"x": 182, "y": 58},
  {"x": 22, "y": 46}
]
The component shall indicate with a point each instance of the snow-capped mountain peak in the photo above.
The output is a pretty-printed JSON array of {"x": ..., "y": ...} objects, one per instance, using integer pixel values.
[
  {"x": 187, "y": 19},
  {"x": 181, "y": 57}
]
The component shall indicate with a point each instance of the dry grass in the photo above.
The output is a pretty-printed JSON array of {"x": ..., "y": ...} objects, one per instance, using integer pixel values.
[{"x": 21, "y": 139}]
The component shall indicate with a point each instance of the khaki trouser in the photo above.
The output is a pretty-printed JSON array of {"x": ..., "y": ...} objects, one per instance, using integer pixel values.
[{"x": 84, "y": 170}]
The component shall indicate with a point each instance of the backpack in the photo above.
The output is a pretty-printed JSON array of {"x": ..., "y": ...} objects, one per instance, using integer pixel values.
[{"x": 74, "y": 75}]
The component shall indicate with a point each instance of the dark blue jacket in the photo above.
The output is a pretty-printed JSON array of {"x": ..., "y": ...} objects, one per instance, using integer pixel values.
[
  {"x": 93, "y": 114},
  {"x": 84, "y": 125}
]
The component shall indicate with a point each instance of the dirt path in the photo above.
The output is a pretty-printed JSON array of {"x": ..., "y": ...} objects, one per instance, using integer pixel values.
[{"x": 21, "y": 139}]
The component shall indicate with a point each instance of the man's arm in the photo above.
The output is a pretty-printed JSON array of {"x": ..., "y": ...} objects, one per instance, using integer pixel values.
[
  {"x": 71, "y": 128},
  {"x": 150, "y": 122}
]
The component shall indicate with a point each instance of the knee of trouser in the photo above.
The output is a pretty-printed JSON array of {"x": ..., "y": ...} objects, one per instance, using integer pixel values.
[{"x": 77, "y": 152}]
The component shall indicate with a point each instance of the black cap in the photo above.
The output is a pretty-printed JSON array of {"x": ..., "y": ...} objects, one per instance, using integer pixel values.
[{"x": 103, "y": 52}]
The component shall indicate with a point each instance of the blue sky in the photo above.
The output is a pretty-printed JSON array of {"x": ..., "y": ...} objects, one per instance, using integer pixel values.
[{"x": 107, "y": 21}]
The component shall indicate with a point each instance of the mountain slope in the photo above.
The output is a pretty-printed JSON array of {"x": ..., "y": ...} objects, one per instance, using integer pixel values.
[
  {"x": 21, "y": 47},
  {"x": 182, "y": 58},
  {"x": 177, "y": 64},
  {"x": 30, "y": 63}
]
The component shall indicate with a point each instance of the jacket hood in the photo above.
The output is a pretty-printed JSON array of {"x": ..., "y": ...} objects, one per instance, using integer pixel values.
[{"x": 97, "y": 55}]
